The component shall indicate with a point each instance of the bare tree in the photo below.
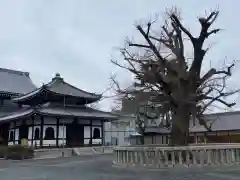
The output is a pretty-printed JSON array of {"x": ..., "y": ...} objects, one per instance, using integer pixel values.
[{"x": 160, "y": 65}]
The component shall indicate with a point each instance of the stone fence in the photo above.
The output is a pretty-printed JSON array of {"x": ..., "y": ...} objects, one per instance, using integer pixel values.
[{"x": 186, "y": 156}]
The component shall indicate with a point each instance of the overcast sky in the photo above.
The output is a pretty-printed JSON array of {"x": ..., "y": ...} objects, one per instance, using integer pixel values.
[{"x": 78, "y": 37}]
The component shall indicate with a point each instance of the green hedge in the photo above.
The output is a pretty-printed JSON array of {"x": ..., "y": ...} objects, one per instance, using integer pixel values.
[{"x": 16, "y": 152}]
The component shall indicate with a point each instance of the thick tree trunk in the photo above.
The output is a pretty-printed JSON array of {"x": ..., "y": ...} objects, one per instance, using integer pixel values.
[{"x": 180, "y": 127}]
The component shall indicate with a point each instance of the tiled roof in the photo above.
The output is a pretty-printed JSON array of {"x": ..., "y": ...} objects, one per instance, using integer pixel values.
[
  {"x": 18, "y": 114},
  {"x": 16, "y": 82},
  {"x": 84, "y": 112},
  {"x": 220, "y": 121},
  {"x": 59, "y": 86}
]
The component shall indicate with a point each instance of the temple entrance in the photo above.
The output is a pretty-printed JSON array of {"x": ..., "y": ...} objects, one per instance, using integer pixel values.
[
  {"x": 4, "y": 136},
  {"x": 23, "y": 132},
  {"x": 74, "y": 134}
]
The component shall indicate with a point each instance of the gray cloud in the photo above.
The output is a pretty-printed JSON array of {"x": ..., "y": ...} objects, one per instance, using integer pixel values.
[{"x": 77, "y": 38}]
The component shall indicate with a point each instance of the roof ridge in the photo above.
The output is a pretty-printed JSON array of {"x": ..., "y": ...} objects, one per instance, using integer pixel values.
[
  {"x": 14, "y": 72},
  {"x": 81, "y": 89}
]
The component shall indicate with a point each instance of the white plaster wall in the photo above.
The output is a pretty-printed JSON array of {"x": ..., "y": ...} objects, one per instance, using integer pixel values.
[
  {"x": 86, "y": 141},
  {"x": 62, "y": 132},
  {"x": 61, "y": 142},
  {"x": 86, "y": 132},
  {"x": 30, "y": 133},
  {"x": 62, "y": 135},
  {"x": 16, "y": 134},
  {"x": 96, "y": 141},
  {"x": 10, "y": 143},
  {"x": 35, "y": 142},
  {"x": 49, "y": 142}
]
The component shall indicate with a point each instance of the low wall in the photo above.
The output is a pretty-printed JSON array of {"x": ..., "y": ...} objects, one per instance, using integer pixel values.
[{"x": 185, "y": 156}]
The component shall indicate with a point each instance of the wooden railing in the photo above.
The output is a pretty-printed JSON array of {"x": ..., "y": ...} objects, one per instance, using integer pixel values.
[{"x": 192, "y": 155}]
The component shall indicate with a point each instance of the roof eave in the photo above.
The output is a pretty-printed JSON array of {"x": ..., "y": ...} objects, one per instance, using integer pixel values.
[
  {"x": 70, "y": 115},
  {"x": 4, "y": 118}
]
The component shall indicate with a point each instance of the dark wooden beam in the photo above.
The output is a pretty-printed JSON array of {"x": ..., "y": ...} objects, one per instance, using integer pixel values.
[
  {"x": 41, "y": 131},
  {"x": 14, "y": 133},
  {"x": 32, "y": 131},
  {"x": 57, "y": 138},
  {"x": 90, "y": 132},
  {"x": 102, "y": 132}
]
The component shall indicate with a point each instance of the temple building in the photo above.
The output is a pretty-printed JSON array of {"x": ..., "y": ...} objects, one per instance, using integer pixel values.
[{"x": 55, "y": 114}]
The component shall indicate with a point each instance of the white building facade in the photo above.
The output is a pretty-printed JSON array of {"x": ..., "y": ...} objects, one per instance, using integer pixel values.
[{"x": 118, "y": 132}]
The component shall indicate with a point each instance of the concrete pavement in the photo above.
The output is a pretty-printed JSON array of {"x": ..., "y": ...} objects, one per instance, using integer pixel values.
[{"x": 99, "y": 167}]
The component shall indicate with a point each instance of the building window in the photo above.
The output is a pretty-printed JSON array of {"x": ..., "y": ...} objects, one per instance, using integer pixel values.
[
  {"x": 36, "y": 134},
  {"x": 11, "y": 136},
  {"x": 96, "y": 133},
  {"x": 49, "y": 134}
]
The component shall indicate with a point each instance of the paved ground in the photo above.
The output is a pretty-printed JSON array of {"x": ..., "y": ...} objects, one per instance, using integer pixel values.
[{"x": 100, "y": 168}]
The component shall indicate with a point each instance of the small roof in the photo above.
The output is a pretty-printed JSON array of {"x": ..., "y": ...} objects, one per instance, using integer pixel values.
[
  {"x": 15, "y": 82},
  {"x": 50, "y": 110},
  {"x": 15, "y": 115},
  {"x": 85, "y": 112},
  {"x": 223, "y": 121},
  {"x": 219, "y": 121},
  {"x": 60, "y": 87}
]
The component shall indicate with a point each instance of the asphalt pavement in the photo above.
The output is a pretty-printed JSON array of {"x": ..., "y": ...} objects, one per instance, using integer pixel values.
[{"x": 99, "y": 167}]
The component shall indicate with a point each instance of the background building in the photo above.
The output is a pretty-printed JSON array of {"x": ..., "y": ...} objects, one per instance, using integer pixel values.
[{"x": 117, "y": 132}]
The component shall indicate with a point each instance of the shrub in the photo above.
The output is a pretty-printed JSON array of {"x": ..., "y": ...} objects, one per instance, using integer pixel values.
[
  {"x": 18, "y": 152},
  {"x": 3, "y": 151}
]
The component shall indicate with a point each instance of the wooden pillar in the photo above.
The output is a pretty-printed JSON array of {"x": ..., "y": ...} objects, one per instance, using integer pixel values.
[
  {"x": 14, "y": 132},
  {"x": 90, "y": 132},
  {"x": 57, "y": 138},
  {"x": 32, "y": 131},
  {"x": 102, "y": 131},
  {"x": 41, "y": 131}
]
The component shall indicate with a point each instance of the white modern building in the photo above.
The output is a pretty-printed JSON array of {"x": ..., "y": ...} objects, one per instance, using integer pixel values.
[{"x": 117, "y": 132}]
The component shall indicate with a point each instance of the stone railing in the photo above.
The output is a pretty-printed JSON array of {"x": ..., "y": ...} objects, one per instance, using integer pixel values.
[{"x": 192, "y": 155}]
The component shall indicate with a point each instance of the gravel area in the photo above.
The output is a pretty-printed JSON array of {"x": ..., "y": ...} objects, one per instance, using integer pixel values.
[{"x": 99, "y": 167}]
